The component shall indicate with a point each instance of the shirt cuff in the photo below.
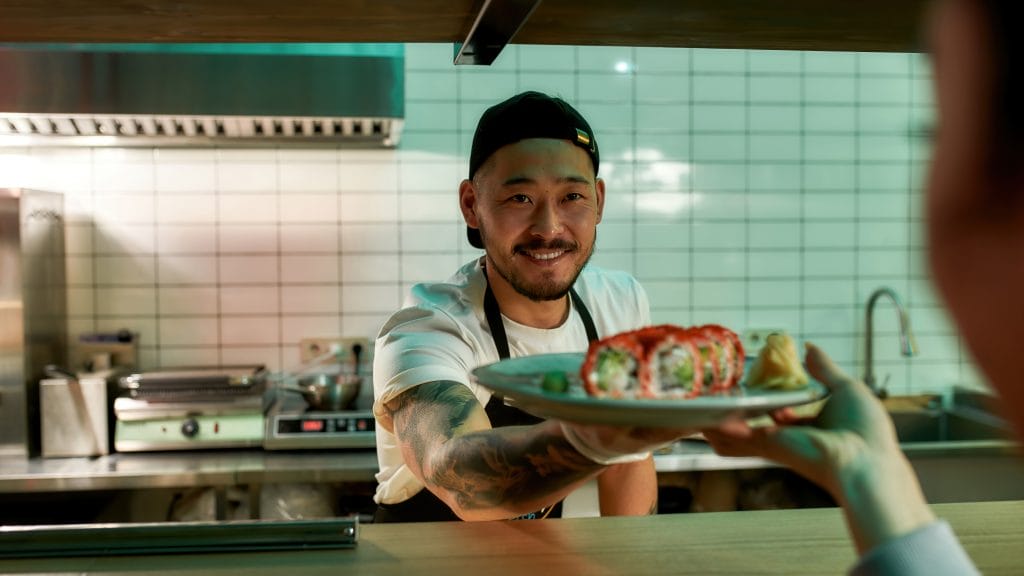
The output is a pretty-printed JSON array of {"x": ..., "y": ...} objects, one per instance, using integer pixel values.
[{"x": 931, "y": 550}]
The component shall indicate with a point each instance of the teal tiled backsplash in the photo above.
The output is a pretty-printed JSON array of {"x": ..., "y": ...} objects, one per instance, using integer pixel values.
[{"x": 757, "y": 189}]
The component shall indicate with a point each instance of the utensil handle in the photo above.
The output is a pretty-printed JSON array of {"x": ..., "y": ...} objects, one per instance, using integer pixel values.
[
  {"x": 357, "y": 354},
  {"x": 54, "y": 371}
]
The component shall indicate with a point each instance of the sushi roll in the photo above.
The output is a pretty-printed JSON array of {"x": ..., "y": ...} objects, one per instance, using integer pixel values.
[
  {"x": 708, "y": 353},
  {"x": 726, "y": 356},
  {"x": 612, "y": 367},
  {"x": 663, "y": 361},
  {"x": 673, "y": 362}
]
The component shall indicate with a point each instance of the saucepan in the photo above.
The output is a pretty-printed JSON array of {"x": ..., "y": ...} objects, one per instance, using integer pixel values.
[{"x": 331, "y": 392}]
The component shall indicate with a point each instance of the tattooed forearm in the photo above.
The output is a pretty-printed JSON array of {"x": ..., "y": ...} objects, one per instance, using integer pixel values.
[
  {"x": 509, "y": 466},
  {"x": 443, "y": 430}
]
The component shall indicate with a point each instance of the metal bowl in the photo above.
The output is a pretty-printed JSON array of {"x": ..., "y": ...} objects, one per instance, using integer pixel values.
[{"x": 330, "y": 392}]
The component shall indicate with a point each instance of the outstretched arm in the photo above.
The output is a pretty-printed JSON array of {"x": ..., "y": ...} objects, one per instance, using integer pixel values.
[{"x": 483, "y": 473}]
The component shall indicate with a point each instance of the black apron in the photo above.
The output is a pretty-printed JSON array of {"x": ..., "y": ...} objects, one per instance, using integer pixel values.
[{"x": 425, "y": 506}]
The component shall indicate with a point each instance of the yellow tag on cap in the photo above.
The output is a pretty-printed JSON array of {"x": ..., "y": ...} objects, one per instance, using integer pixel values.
[{"x": 582, "y": 137}]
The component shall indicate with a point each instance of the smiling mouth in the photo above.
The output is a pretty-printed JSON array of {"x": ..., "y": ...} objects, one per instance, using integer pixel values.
[
  {"x": 546, "y": 251},
  {"x": 544, "y": 255}
]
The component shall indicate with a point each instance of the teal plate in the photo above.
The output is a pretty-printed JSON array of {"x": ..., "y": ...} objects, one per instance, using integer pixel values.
[{"x": 519, "y": 381}]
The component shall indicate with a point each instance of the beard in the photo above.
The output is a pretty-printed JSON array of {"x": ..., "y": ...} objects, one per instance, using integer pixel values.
[{"x": 547, "y": 288}]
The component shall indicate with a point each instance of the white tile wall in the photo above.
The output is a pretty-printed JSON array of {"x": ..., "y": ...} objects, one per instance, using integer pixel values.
[{"x": 754, "y": 189}]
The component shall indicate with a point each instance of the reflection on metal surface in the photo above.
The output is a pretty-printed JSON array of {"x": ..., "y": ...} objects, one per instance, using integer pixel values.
[
  {"x": 908, "y": 344},
  {"x": 184, "y": 469},
  {"x": 32, "y": 321},
  {"x": 496, "y": 22},
  {"x": 177, "y": 537}
]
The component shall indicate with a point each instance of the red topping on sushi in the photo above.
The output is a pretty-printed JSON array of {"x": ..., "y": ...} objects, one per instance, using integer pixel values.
[{"x": 639, "y": 377}]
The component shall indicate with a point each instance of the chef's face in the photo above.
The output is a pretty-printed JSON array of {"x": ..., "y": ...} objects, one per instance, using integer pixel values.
[{"x": 537, "y": 204}]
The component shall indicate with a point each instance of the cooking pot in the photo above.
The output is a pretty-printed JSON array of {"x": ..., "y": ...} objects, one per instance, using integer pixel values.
[{"x": 330, "y": 392}]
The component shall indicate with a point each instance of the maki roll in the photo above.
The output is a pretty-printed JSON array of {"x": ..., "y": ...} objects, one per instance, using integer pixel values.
[
  {"x": 672, "y": 360},
  {"x": 613, "y": 364},
  {"x": 723, "y": 357},
  {"x": 663, "y": 361}
]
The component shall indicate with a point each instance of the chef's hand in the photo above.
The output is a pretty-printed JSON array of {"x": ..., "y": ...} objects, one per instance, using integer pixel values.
[
  {"x": 975, "y": 199},
  {"x": 850, "y": 449}
]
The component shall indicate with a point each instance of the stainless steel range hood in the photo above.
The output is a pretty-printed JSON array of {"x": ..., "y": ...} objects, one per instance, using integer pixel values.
[{"x": 201, "y": 95}]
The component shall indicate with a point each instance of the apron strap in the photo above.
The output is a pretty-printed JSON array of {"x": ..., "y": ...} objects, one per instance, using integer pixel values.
[
  {"x": 493, "y": 315},
  {"x": 581, "y": 308}
]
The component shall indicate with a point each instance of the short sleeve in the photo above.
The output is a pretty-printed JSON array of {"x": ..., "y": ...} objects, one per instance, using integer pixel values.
[{"x": 418, "y": 345}]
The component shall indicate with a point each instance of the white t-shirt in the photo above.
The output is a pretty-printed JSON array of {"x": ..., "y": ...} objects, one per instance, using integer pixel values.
[{"x": 442, "y": 334}]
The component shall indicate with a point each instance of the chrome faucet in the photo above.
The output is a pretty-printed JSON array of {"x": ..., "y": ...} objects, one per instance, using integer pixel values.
[{"x": 908, "y": 346}]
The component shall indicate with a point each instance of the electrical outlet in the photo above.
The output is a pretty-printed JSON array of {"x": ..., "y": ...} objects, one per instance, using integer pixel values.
[
  {"x": 313, "y": 348},
  {"x": 754, "y": 338}
]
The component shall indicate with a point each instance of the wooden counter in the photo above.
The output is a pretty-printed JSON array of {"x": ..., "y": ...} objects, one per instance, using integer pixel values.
[{"x": 810, "y": 541}]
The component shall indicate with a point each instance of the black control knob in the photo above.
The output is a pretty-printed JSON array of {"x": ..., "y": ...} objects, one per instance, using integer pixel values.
[{"x": 190, "y": 427}]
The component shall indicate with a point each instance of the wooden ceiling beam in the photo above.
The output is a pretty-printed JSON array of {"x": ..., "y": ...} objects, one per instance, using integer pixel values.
[{"x": 844, "y": 25}]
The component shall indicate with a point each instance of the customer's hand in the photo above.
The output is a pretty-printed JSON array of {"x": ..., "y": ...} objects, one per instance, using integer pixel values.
[
  {"x": 975, "y": 200},
  {"x": 850, "y": 449},
  {"x": 852, "y": 426}
]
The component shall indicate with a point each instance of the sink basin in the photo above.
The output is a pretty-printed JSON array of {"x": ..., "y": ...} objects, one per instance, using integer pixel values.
[
  {"x": 960, "y": 450},
  {"x": 964, "y": 453},
  {"x": 955, "y": 425}
]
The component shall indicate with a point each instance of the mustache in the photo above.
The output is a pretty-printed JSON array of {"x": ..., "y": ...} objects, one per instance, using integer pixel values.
[{"x": 556, "y": 244}]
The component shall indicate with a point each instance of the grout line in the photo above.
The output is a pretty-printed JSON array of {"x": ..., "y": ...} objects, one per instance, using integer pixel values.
[
  {"x": 801, "y": 289},
  {"x": 156, "y": 258},
  {"x": 858, "y": 351},
  {"x": 341, "y": 246},
  {"x": 691, "y": 193},
  {"x": 634, "y": 168},
  {"x": 218, "y": 254},
  {"x": 280, "y": 264},
  {"x": 746, "y": 194},
  {"x": 95, "y": 237}
]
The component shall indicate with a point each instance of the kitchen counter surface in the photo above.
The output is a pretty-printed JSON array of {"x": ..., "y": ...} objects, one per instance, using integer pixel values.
[
  {"x": 238, "y": 467},
  {"x": 181, "y": 469},
  {"x": 126, "y": 471},
  {"x": 811, "y": 541}
]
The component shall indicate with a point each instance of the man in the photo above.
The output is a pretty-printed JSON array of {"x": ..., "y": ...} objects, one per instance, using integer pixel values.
[{"x": 450, "y": 450}]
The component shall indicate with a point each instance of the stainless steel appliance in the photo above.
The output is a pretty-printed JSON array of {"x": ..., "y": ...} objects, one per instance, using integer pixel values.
[
  {"x": 33, "y": 320},
  {"x": 191, "y": 408},
  {"x": 202, "y": 95},
  {"x": 74, "y": 421},
  {"x": 292, "y": 425},
  {"x": 326, "y": 413}
]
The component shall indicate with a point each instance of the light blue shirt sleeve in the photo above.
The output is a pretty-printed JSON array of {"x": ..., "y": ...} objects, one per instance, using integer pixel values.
[{"x": 932, "y": 550}]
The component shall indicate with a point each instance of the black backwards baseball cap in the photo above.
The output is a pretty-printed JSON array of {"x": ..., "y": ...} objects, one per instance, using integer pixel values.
[{"x": 527, "y": 115}]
